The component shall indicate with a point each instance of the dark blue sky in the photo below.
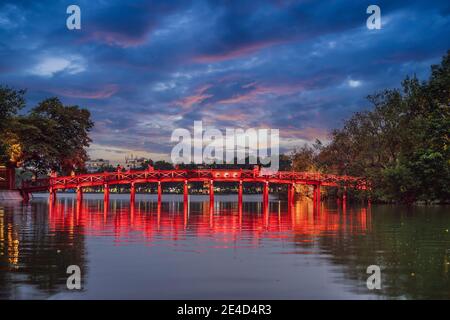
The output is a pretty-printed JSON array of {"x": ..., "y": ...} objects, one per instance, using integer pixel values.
[{"x": 144, "y": 68}]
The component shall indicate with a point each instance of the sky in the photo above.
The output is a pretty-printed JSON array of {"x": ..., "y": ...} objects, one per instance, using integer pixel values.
[{"x": 145, "y": 68}]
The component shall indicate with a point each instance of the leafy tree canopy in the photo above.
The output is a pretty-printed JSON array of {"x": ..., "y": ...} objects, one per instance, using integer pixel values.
[
  {"x": 51, "y": 136},
  {"x": 401, "y": 145}
]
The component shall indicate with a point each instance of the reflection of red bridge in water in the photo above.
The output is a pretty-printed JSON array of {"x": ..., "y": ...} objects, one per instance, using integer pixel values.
[
  {"x": 131, "y": 178},
  {"x": 173, "y": 220}
]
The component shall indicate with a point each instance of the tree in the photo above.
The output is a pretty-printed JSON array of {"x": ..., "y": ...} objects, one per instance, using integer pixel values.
[
  {"x": 54, "y": 137},
  {"x": 430, "y": 160},
  {"x": 304, "y": 159},
  {"x": 11, "y": 102},
  {"x": 402, "y": 144},
  {"x": 163, "y": 165}
]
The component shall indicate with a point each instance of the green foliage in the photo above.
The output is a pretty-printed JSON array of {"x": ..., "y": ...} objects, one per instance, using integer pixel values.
[
  {"x": 398, "y": 182},
  {"x": 67, "y": 127},
  {"x": 11, "y": 102},
  {"x": 162, "y": 165},
  {"x": 50, "y": 137},
  {"x": 303, "y": 159},
  {"x": 3, "y": 152}
]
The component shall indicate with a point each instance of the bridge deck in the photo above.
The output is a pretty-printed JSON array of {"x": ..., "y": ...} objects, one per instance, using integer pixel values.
[{"x": 186, "y": 176}]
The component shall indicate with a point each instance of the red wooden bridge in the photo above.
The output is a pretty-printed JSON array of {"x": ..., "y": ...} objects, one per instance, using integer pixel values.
[{"x": 131, "y": 178}]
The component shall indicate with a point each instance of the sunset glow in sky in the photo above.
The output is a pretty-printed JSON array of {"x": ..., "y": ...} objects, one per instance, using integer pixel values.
[{"x": 144, "y": 68}]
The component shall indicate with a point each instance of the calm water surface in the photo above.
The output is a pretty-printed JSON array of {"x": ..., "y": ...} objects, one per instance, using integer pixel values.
[{"x": 168, "y": 251}]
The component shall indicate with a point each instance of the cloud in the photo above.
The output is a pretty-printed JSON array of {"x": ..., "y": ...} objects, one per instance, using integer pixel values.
[
  {"x": 10, "y": 17},
  {"x": 354, "y": 83},
  {"x": 239, "y": 51},
  {"x": 117, "y": 38},
  {"x": 105, "y": 92},
  {"x": 198, "y": 97},
  {"x": 128, "y": 24},
  {"x": 144, "y": 68},
  {"x": 49, "y": 66}
]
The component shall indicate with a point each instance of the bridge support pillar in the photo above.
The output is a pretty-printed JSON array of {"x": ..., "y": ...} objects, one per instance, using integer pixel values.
[
  {"x": 159, "y": 192},
  {"x": 105, "y": 192},
  {"x": 185, "y": 214},
  {"x": 211, "y": 191},
  {"x": 344, "y": 200},
  {"x": 132, "y": 192},
  {"x": 240, "y": 192},
  {"x": 185, "y": 192},
  {"x": 52, "y": 195},
  {"x": 240, "y": 199},
  {"x": 266, "y": 201},
  {"x": 132, "y": 211},
  {"x": 79, "y": 193},
  {"x": 316, "y": 195},
  {"x": 319, "y": 196},
  {"x": 105, "y": 207},
  {"x": 266, "y": 193},
  {"x": 291, "y": 194},
  {"x": 211, "y": 211}
]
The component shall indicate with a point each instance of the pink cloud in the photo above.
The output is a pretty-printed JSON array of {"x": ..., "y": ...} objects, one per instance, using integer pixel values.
[
  {"x": 236, "y": 115},
  {"x": 198, "y": 97},
  {"x": 259, "y": 90},
  {"x": 255, "y": 93},
  {"x": 237, "y": 52},
  {"x": 290, "y": 132},
  {"x": 106, "y": 92},
  {"x": 117, "y": 38},
  {"x": 308, "y": 133}
]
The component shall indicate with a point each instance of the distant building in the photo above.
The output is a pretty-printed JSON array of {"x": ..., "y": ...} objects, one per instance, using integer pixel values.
[
  {"x": 135, "y": 162},
  {"x": 96, "y": 165}
]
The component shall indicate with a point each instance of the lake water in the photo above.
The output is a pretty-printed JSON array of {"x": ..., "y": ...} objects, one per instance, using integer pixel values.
[{"x": 221, "y": 252}]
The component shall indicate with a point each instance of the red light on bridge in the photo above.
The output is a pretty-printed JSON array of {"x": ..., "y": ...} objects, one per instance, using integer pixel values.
[{"x": 227, "y": 174}]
